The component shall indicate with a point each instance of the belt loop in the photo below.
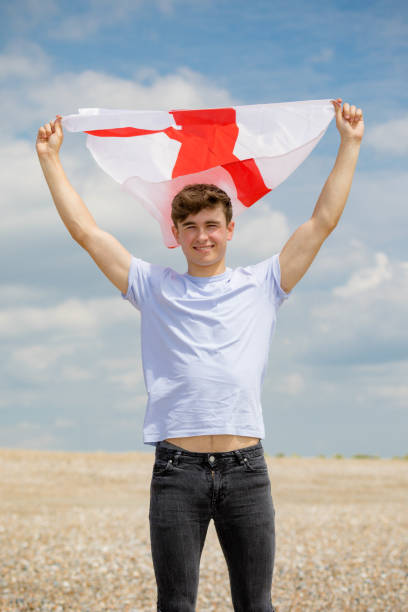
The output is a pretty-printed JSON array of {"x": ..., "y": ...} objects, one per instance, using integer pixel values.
[
  {"x": 176, "y": 457},
  {"x": 239, "y": 456}
]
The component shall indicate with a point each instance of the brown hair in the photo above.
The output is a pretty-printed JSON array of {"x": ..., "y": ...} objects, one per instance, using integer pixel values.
[{"x": 193, "y": 198}]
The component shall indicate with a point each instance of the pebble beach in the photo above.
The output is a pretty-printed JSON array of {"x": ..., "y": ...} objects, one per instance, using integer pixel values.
[{"x": 74, "y": 535}]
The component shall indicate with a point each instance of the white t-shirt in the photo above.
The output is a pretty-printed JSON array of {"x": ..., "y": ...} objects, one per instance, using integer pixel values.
[{"x": 205, "y": 346}]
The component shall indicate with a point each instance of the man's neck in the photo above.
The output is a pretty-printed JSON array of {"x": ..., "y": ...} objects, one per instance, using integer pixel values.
[{"x": 207, "y": 271}]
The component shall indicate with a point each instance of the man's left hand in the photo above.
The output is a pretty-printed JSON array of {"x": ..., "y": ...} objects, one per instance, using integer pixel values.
[{"x": 349, "y": 120}]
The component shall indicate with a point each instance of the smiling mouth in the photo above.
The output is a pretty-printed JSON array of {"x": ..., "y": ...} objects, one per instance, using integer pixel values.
[{"x": 203, "y": 248}]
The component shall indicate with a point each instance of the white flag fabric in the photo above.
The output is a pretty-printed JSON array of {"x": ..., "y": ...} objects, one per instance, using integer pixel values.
[{"x": 245, "y": 150}]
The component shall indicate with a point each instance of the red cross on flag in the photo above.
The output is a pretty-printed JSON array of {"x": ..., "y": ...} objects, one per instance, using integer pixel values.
[{"x": 245, "y": 150}]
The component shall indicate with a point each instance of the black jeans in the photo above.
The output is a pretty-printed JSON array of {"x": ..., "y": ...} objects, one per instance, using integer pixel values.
[{"x": 233, "y": 488}]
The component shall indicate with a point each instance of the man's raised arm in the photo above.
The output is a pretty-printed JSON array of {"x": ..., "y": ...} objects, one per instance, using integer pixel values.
[
  {"x": 111, "y": 257},
  {"x": 303, "y": 246}
]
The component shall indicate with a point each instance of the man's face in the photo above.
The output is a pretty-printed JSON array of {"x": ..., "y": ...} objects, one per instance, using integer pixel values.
[{"x": 203, "y": 238}]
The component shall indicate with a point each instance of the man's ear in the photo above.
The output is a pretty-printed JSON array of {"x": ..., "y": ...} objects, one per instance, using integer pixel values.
[
  {"x": 175, "y": 233},
  {"x": 230, "y": 229}
]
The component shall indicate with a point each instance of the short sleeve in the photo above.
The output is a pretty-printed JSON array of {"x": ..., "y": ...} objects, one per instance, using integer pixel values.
[
  {"x": 268, "y": 274},
  {"x": 138, "y": 282}
]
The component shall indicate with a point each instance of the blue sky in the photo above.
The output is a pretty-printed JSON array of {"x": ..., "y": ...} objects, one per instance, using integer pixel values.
[{"x": 71, "y": 366}]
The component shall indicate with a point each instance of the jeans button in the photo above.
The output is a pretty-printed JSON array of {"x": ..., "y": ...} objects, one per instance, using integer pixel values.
[{"x": 212, "y": 458}]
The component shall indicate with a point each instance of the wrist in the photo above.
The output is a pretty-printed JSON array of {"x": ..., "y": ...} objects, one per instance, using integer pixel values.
[
  {"x": 350, "y": 141},
  {"x": 48, "y": 157}
]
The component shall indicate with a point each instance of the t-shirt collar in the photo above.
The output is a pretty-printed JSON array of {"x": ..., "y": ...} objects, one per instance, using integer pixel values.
[{"x": 203, "y": 280}]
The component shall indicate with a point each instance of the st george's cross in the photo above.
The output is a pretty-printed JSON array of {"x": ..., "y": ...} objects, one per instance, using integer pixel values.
[{"x": 245, "y": 150}]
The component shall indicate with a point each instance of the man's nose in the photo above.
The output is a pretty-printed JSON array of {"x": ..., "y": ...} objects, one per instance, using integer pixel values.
[{"x": 202, "y": 234}]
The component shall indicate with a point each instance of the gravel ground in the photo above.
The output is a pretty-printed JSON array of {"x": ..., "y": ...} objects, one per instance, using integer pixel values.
[{"x": 74, "y": 535}]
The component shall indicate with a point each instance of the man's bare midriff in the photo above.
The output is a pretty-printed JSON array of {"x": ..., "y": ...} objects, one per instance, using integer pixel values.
[{"x": 219, "y": 443}]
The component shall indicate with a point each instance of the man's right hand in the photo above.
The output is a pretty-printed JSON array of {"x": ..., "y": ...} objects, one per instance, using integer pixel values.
[
  {"x": 50, "y": 137},
  {"x": 109, "y": 255}
]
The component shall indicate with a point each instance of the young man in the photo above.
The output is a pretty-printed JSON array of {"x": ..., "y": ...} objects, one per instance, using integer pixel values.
[{"x": 205, "y": 337}]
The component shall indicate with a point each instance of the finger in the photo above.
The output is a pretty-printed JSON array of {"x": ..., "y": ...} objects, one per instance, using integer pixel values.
[
  {"x": 337, "y": 107},
  {"x": 48, "y": 129},
  {"x": 356, "y": 117},
  {"x": 54, "y": 125},
  {"x": 359, "y": 115},
  {"x": 346, "y": 110},
  {"x": 41, "y": 133},
  {"x": 58, "y": 124},
  {"x": 352, "y": 113}
]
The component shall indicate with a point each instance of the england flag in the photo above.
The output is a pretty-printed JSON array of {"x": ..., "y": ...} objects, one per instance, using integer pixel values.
[{"x": 245, "y": 150}]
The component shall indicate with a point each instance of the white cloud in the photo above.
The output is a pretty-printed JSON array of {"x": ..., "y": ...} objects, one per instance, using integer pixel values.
[
  {"x": 27, "y": 426},
  {"x": 367, "y": 278},
  {"x": 365, "y": 322},
  {"x": 38, "y": 358},
  {"x": 82, "y": 317},
  {"x": 41, "y": 92},
  {"x": 259, "y": 233},
  {"x": 48, "y": 362},
  {"x": 384, "y": 283},
  {"x": 127, "y": 373},
  {"x": 136, "y": 404},
  {"x": 27, "y": 62},
  {"x": 64, "y": 423},
  {"x": 291, "y": 384},
  {"x": 75, "y": 373},
  {"x": 116, "y": 211},
  {"x": 390, "y": 137},
  {"x": 116, "y": 364},
  {"x": 398, "y": 394},
  {"x": 23, "y": 189},
  {"x": 183, "y": 88},
  {"x": 21, "y": 293},
  {"x": 127, "y": 380},
  {"x": 383, "y": 383},
  {"x": 19, "y": 398}
]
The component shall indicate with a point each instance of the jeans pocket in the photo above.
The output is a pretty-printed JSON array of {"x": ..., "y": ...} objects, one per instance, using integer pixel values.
[
  {"x": 256, "y": 464},
  {"x": 161, "y": 466}
]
